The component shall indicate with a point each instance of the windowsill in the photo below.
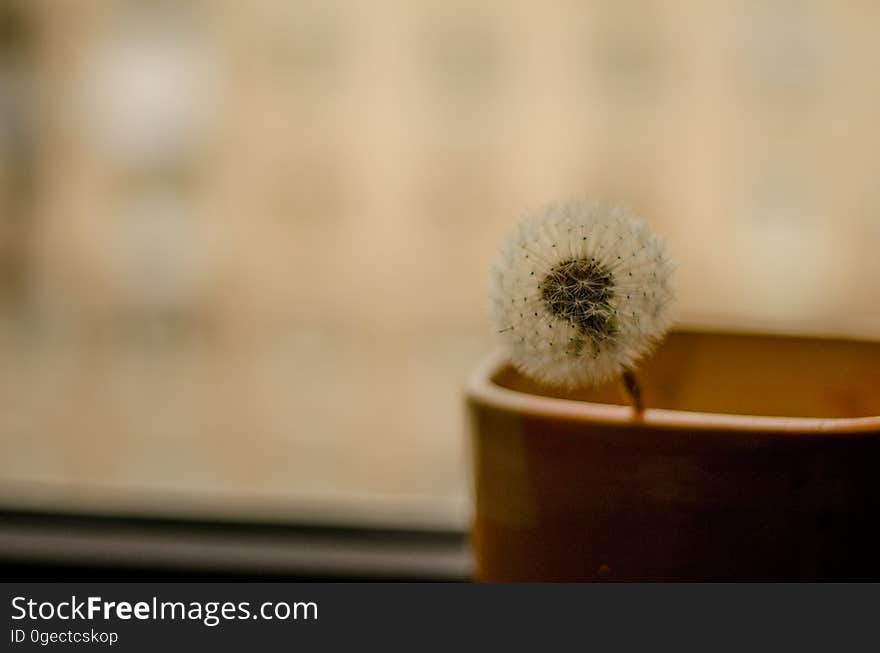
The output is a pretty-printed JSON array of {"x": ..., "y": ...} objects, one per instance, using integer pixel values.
[{"x": 87, "y": 547}]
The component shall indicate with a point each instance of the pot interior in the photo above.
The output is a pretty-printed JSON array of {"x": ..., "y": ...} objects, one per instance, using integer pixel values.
[{"x": 744, "y": 375}]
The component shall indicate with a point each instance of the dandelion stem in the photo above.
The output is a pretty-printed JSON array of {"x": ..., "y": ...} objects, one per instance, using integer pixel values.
[{"x": 633, "y": 389}]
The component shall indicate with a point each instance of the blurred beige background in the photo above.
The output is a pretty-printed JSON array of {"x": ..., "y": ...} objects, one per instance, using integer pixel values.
[{"x": 244, "y": 245}]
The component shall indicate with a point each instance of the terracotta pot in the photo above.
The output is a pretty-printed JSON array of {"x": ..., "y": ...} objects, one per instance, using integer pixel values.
[{"x": 758, "y": 459}]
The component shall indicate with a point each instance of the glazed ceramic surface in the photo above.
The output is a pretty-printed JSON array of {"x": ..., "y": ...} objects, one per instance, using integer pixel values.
[{"x": 757, "y": 459}]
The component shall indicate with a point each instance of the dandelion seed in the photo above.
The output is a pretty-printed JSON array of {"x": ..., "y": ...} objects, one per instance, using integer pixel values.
[{"x": 587, "y": 289}]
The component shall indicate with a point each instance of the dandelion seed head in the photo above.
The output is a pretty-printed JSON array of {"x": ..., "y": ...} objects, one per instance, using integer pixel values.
[{"x": 580, "y": 291}]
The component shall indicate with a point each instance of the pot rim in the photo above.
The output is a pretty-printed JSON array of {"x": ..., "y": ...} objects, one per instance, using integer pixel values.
[{"x": 481, "y": 389}]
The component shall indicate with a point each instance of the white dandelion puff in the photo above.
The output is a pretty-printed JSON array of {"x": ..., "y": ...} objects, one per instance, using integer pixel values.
[{"x": 580, "y": 292}]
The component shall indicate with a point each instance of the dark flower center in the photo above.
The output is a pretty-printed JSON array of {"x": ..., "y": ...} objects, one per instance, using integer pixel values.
[{"x": 580, "y": 291}]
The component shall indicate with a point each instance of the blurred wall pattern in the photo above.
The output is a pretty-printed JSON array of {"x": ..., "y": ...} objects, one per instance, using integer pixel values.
[{"x": 244, "y": 245}]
